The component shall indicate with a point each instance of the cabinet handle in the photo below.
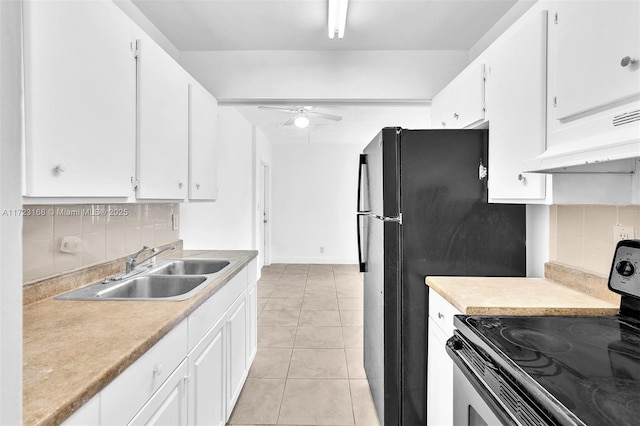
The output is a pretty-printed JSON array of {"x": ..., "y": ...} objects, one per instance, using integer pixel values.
[
  {"x": 444, "y": 124},
  {"x": 522, "y": 178},
  {"x": 455, "y": 115},
  {"x": 59, "y": 169},
  {"x": 626, "y": 61},
  {"x": 157, "y": 371},
  {"x": 440, "y": 315},
  {"x": 180, "y": 185},
  {"x": 197, "y": 186}
]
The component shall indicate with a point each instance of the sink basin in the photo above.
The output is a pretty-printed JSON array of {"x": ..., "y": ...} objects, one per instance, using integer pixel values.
[
  {"x": 151, "y": 287},
  {"x": 170, "y": 279},
  {"x": 191, "y": 267}
]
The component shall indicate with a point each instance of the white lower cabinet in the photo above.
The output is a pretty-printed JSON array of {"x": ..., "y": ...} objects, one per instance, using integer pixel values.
[
  {"x": 237, "y": 340},
  {"x": 439, "y": 364},
  {"x": 172, "y": 385},
  {"x": 252, "y": 319},
  {"x": 121, "y": 400},
  {"x": 168, "y": 406},
  {"x": 207, "y": 372}
]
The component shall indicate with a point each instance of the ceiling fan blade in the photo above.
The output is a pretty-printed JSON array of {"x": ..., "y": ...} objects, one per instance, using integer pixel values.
[
  {"x": 290, "y": 121},
  {"x": 277, "y": 108},
  {"x": 325, "y": 115}
]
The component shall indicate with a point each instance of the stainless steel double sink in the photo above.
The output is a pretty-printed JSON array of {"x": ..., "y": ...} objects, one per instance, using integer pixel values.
[{"x": 170, "y": 279}]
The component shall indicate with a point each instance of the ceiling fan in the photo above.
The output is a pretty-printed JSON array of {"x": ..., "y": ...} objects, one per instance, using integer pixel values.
[{"x": 302, "y": 114}]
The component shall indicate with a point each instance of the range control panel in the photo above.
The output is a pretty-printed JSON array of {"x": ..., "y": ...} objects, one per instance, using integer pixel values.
[{"x": 624, "y": 277}]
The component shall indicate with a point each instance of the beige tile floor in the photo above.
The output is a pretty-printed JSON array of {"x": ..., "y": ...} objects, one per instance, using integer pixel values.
[{"x": 308, "y": 369}]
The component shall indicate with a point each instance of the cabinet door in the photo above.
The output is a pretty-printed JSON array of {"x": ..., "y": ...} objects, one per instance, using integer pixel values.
[
  {"x": 252, "y": 323},
  {"x": 461, "y": 103},
  {"x": 441, "y": 110},
  {"x": 121, "y": 399},
  {"x": 237, "y": 350},
  {"x": 468, "y": 97},
  {"x": 203, "y": 117},
  {"x": 439, "y": 379},
  {"x": 590, "y": 40},
  {"x": 207, "y": 401},
  {"x": 168, "y": 406},
  {"x": 79, "y": 99},
  {"x": 516, "y": 88},
  {"x": 162, "y": 124}
]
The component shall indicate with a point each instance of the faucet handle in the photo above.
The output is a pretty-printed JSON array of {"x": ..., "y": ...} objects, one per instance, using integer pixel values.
[{"x": 136, "y": 254}]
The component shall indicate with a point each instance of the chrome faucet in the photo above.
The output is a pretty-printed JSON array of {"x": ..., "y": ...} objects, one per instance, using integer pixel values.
[
  {"x": 131, "y": 259},
  {"x": 152, "y": 258}
]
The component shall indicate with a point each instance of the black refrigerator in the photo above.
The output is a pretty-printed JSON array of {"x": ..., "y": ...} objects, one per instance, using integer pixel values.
[{"x": 423, "y": 210}]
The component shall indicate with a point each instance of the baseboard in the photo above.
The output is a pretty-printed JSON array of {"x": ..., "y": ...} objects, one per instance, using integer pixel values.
[{"x": 315, "y": 260}]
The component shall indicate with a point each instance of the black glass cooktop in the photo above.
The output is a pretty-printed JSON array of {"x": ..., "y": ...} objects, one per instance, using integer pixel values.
[{"x": 591, "y": 365}]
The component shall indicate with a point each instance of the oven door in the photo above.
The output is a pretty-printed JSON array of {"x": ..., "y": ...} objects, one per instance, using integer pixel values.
[{"x": 469, "y": 407}]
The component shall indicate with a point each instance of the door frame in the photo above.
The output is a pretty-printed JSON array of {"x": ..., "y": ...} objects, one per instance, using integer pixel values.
[{"x": 265, "y": 214}]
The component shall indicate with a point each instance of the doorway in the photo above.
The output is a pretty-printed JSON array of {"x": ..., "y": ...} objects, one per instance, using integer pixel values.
[{"x": 264, "y": 244}]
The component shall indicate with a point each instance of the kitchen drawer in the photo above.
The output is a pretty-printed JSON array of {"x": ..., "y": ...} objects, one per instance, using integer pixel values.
[
  {"x": 123, "y": 397},
  {"x": 206, "y": 316},
  {"x": 442, "y": 312}
]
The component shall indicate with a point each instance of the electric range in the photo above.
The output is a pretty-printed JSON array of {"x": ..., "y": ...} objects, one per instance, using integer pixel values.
[{"x": 553, "y": 370}]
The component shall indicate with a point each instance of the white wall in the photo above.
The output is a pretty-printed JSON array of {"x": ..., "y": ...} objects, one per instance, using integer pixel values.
[
  {"x": 537, "y": 239},
  {"x": 228, "y": 222},
  {"x": 10, "y": 225},
  {"x": 314, "y": 203}
]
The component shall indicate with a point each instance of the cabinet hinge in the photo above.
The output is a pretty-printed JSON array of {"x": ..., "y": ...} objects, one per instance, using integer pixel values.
[
  {"x": 135, "y": 183},
  {"x": 555, "y": 101}
]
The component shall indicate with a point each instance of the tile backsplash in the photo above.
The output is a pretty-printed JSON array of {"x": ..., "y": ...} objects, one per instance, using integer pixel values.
[
  {"x": 60, "y": 238},
  {"x": 581, "y": 236}
]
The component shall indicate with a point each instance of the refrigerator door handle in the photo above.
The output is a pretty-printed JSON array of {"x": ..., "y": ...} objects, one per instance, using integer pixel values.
[
  {"x": 361, "y": 167},
  {"x": 361, "y": 264},
  {"x": 397, "y": 219}
]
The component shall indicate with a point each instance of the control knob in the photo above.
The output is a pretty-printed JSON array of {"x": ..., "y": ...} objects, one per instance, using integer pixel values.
[{"x": 625, "y": 268}]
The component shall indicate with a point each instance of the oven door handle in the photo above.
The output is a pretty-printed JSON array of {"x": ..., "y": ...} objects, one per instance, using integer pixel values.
[{"x": 454, "y": 345}]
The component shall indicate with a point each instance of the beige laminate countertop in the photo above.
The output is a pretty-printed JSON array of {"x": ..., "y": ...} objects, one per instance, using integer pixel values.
[
  {"x": 73, "y": 349},
  {"x": 517, "y": 296}
]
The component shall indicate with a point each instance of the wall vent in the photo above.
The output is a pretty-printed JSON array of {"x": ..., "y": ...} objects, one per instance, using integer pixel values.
[{"x": 626, "y": 118}]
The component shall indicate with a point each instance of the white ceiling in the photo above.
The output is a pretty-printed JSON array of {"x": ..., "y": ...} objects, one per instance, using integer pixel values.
[
  {"x": 277, "y": 52},
  {"x": 196, "y": 25}
]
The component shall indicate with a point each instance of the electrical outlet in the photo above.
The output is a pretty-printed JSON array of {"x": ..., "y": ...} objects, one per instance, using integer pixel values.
[
  {"x": 71, "y": 245},
  {"x": 621, "y": 232},
  {"x": 321, "y": 249}
]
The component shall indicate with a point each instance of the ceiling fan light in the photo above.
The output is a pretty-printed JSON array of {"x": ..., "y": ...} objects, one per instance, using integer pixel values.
[
  {"x": 301, "y": 121},
  {"x": 337, "y": 17}
]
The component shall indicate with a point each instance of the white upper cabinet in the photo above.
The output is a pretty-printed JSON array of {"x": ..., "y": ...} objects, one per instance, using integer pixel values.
[
  {"x": 79, "y": 99},
  {"x": 461, "y": 103},
  {"x": 203, "y": 118},
  {"x": 163, "y": 123},
  {"x": 594, "y": 87},
  {"x": 592, "y": 40},
  {"x": 516, "y": 105}
]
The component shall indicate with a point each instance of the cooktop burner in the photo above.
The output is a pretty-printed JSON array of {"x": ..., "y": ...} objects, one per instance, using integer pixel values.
[
  {"x": 591, "y": 365},
  {"x": 536, "y": 340},
  {"x": 618, "y": 401}
]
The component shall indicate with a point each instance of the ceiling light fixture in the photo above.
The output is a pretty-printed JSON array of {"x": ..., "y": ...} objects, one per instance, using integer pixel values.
[
  {"x": 337, "y": 17},
  {"x": 301, "y": 121}
]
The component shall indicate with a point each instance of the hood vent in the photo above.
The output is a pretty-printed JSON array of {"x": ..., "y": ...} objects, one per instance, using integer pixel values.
[{"x": 626, "y": 118}]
